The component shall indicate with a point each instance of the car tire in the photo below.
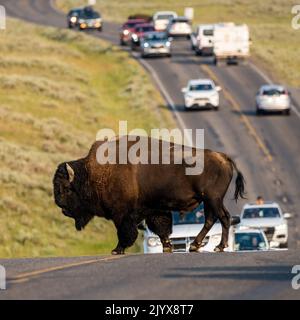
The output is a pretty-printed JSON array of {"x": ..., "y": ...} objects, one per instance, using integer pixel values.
[
  {"x": 169, "y": 55},
  {"x": 198, "y": 52},
  {"x": 216, "y": 108},
  {"x": 100, "y": 29},
  {"x": 287, "y": 112},
  {"x": 258, "y": 111}
]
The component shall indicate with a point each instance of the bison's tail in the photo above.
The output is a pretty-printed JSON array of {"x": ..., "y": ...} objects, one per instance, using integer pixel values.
[{"x": 239, "y": 182}]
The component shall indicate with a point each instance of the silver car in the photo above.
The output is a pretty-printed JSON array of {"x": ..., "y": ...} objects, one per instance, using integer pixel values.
[
  {"x": 155, "y": 44},
  {"x": 273, "y": 98}
]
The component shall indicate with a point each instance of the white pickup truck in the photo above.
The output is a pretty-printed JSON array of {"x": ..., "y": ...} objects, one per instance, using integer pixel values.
[{"x": 231, "y": 43}]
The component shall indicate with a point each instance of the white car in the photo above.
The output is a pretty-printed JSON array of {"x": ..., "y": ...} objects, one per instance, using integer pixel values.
[
  {"x": 185, "y": 229},
  {"x": 161, "y": 19},
  {"x": 270, "y": 219},
  {"x": 250, "y": 240},
  {"x": 201, "y": 93},
  {"x": 179, "y": 27},
  {"x": 272, "y": 98}
]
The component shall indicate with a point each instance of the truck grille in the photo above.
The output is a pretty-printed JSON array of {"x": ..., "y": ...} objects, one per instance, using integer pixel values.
[{"x": 183, "y": 244}]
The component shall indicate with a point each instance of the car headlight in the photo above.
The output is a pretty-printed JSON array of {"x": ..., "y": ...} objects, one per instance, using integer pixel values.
[
  {"x": 146, "y": 45},
  {"x": 168, "y": 43},
  {"x": 153, "y": 242},
  {"x": 126, "y": 32},
  {"x": 281, "y": 227},
  {"x": 134, "y": 37},
  {"x": 73, "y": 19}
]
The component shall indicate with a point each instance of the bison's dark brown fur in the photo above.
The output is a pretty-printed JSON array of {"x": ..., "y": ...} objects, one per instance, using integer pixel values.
[{"x": 128, "y": 194}]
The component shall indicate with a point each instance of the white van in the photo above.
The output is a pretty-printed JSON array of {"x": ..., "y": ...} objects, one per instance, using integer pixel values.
[
  {"x": 202, "y": 39},
  {"x": 231, "y": 43},
  {"x": 161, "y": 19}
]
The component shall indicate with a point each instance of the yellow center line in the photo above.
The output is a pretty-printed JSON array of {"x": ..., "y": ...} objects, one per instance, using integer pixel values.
[
  {"x": 22, "y": 277},
  {"x": 238, "y": 109}
]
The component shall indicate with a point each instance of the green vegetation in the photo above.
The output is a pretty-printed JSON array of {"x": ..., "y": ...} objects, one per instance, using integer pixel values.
[
  {"x": 57, "y": 89},
  {"x": 275, "y": 43}
]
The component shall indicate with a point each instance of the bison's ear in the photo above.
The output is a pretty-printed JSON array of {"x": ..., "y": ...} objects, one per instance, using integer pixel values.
[{"x": 70, "y": 172}]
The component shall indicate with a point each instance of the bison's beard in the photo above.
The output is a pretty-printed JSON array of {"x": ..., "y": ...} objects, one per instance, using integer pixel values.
[{"x": 81, "y": 222}]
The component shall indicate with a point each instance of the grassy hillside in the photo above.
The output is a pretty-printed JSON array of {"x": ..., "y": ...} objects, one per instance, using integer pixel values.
[
  {"x": 57, "y": 88},
  {"x": 275, "y": 43}
]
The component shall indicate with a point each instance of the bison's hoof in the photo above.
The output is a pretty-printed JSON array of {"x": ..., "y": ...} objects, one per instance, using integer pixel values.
[
  {"x": 167, "y": 250},
  {"x": 219, "y": 249},
  {"x": 117, "y": 251},
  {"x": 194, "y": 247}
]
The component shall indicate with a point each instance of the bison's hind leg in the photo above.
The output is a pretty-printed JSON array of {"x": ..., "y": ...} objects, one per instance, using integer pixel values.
[
  {"x": 127, "y": 234},
  {"x": 162, "y": 226}
]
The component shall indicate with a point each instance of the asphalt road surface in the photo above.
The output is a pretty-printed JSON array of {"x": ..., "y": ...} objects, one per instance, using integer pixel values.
[{"x": 266, "y": 149}]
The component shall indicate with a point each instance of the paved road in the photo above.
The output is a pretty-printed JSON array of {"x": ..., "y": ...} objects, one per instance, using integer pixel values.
[
  {"x": 266, "y": 149},
  {"x": 175, "y": 276}
]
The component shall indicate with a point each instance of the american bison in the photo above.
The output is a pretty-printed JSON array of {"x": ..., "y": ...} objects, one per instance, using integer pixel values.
[{"x": 127, "y": 194}]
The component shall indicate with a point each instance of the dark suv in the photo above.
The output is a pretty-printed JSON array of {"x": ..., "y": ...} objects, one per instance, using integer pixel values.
[{"x": 85, "y": 18}]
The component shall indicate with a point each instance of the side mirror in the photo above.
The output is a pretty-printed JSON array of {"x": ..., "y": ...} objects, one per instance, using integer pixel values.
[
  {"x": 287, "y": 215},
  {"x": 170, "y": 39},
  {"x": 218, "y": 88},
  {"x": 184, "y": 90},
  {"x": 235, "y": 220}
]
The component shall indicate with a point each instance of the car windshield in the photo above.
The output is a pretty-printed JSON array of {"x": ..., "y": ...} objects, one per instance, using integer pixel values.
[
  {"x": 249, "y": 241},
  {"x": 194, "y": 217},
  {"x": 155, "y": 37},
  {"x": 131, "y": 24},
  {"x": 89, "y": 15},
  {"x": 164, "y": 17},
  {"x": 145, "y": 29},
  {"x": 262, "y": 212},
  {"x": 273, "y": 92},
  {"x": 201, "y": 87},
  {"x": 208, "y": 32},
  {"x": 180, "y": 21}
]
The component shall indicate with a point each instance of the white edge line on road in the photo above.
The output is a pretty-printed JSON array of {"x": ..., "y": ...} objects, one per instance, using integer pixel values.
[
  {"x": 269, "y": 81},
  {"x": 166, "y": 96}
]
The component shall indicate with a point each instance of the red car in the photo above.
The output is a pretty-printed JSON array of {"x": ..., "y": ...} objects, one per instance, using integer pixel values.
[
  {"x": 138, "y": 32},
  {"x": 126, "y": 30}
]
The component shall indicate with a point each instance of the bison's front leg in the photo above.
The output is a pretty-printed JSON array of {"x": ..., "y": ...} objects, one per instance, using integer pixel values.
[{"x": 127, "y": 234}]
